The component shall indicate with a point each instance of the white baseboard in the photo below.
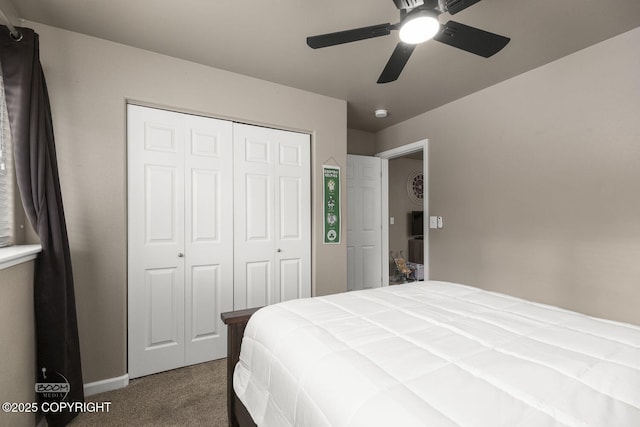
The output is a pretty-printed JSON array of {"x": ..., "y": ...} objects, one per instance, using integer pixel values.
[{"x": 106, "y": 385}]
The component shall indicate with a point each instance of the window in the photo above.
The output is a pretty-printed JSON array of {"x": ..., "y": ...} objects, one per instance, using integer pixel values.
[{"x": 6, "y": 174}]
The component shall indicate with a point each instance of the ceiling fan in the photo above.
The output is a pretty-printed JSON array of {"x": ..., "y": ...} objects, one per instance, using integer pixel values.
[{"x": 419, "y": 23}]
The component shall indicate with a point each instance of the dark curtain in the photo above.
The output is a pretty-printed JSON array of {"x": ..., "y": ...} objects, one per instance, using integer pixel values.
[{"x": 58, "y": 350}]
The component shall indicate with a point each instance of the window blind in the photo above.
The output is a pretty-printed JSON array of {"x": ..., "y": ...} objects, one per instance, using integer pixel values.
[{"x": 6, "y": 174}]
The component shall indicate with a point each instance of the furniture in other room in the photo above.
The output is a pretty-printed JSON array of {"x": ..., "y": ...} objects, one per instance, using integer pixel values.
[{"x": 416, "y": 250}]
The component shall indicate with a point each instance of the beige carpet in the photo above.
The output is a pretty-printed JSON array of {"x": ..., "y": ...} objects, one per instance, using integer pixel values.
[{"x": 191, "y": 396}]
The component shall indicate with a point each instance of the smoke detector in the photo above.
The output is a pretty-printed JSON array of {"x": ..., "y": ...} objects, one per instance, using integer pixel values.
[{"x": 381, "y": 113}]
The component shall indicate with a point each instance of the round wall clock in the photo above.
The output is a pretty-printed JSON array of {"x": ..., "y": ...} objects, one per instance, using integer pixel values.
[{"x": 415, "y": 186}]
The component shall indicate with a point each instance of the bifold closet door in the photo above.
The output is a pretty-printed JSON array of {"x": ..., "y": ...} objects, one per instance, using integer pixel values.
[
  {"x": 272, "y": 231},
  {"x": 180, "y": 257},
  {"x": 208, "y": 237}
]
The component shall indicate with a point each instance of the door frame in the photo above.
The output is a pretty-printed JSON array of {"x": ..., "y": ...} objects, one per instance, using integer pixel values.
[{"x": 403, "y": 150}]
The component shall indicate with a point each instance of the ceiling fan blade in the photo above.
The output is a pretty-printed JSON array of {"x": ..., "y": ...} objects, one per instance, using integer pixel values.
[
  {"x": 398, "y": 60},
  {"x": 471, "y": 39},
  {"x": 332, "y": 39},
  {"x": 455, "y": 6},
  {"x": 408, "y": 4}
]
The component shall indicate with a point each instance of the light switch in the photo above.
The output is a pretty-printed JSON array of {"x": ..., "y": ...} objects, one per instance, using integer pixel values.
[
  {"x": 392, "y": 220},
  {"x": 433, "y": 222},
  {"x": 440, "y": 224}
]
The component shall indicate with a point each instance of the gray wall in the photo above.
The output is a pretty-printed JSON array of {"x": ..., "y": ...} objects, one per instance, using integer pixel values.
[
  {"x": 361, "y": 143},
  {"x": 18, "y": 342},
  {"x": 538, "y": 181},
  {"x": 89, "y": 82}
]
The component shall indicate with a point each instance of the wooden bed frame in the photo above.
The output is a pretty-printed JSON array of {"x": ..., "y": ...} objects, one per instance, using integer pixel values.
[{"x": 236, "y": 322}]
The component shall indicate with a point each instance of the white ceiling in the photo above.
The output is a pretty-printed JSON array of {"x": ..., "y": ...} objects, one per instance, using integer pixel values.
[{"x": 266, "y": 39}]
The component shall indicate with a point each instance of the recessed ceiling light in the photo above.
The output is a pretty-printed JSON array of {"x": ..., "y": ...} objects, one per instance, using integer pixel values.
[{"x": 381, "y": 113}]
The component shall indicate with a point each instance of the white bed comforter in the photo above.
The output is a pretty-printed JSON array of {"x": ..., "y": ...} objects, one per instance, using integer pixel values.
[{"x": 436, "y": 354}]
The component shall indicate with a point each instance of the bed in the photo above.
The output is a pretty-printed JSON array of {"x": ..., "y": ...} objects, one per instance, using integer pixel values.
[{"x": 430, "y": 354}]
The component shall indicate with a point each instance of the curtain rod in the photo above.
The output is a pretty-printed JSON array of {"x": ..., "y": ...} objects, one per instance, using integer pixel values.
[{"x": 15, "y": 34}]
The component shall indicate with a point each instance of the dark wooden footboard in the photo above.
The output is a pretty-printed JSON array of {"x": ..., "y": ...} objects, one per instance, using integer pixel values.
[{"x": 236, "y": 322}]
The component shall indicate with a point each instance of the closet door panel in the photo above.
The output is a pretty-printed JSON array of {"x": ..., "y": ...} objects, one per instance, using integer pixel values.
[
  {"x": 291, "y": 204},
  {"x": 160, "y": 194},
  {"x": 162, "y": 285},
  {"x": 273, "y": 219},
  {"x": 293, "y": 209},
  {"x": 180, "y": 239},
  {"x": 156, "y": 237},
  {"x": 258, "y": 283},
  {"x": 209, "y": 236},
  {"x": 205, "y": 208},
  {"x": 254, "y": 242},
  {"x": 290, "y": 279},
  {"x": 258, "y": 206},
  {"x": 205, "y": 293}
]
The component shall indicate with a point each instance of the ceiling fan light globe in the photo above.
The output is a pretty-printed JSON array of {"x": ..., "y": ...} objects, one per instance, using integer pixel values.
[{"x": 419, "y": 29}]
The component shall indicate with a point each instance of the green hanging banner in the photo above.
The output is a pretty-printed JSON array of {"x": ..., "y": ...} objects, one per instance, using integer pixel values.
[{"x": 331, "y": 204}]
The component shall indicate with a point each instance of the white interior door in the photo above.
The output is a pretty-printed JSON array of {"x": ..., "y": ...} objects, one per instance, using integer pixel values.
[
  {"x": 272, "y": 252},
  {"x": 180, "y": 238},
  {"x": 364, "y": 222}
]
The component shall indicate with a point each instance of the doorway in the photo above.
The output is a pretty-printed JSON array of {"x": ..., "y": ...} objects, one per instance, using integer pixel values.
[{"x": 415, "y": 148}]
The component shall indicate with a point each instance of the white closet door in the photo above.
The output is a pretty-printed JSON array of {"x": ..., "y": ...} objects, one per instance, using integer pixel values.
[
  {"x": 180, "y": 176},
  {"x": 292, "y": 207},
  {"x": 156, "y": 240},
  {"x": 208, "y": 236},
  {"x": 364, "y": 222},
  {"x": 272, "y": 253}
]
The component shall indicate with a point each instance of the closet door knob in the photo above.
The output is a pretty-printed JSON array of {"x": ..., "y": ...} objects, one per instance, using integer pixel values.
[
  {"x": 180, "y": 255},
  {"x": 279, "y": 250}
]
